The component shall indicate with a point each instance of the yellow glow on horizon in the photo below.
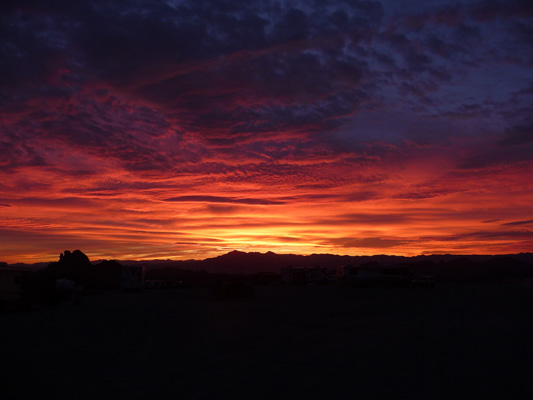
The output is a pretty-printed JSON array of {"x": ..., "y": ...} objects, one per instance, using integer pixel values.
[{"x": 401, "y": 218}]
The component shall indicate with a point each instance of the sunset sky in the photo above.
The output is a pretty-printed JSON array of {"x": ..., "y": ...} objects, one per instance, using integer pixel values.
[{"x": 186, "y": 129}]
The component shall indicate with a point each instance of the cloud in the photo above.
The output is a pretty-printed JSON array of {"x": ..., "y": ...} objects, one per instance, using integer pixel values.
[
  {"x": 489, "y": 10},
  {"x": 365, "y": 220},
  {"x": 426, "y": 194},
  {"x": 16, "y": 154},
  {"x": 106, "y": 39},
  {"x": 518, "y": 135},
  {"x": 369, "y": 242},
  {"x": 522, "y": 235},
  {"x": 57, "y": 202},
  {"x": 219, "y": 199},
  {"x": 156, "y": 115},
  {"x": 515, "y": 223},
  {"x": 222, "y": 210}
]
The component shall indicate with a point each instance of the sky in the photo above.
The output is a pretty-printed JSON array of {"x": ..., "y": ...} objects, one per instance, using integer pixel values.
[{"x": 185, "y": 129}]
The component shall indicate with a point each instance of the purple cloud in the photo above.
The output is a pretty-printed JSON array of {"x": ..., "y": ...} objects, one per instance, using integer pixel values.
[{"x": 220, "y": 199}]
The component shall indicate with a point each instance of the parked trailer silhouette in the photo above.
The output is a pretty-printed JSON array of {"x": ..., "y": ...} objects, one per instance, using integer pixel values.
[
  {"x": 132, "y": 278},
  {"x": 366, "y": 276},
  {"x": 304, "y": 276},
  {"x": 19, "y": 288}
]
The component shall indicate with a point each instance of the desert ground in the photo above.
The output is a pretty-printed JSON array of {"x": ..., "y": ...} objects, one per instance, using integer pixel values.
[{"x": 471, "y": 341}]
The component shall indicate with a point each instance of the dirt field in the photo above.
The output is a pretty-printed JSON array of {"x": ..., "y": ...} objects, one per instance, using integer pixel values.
[{"x": 454, "y": 341}]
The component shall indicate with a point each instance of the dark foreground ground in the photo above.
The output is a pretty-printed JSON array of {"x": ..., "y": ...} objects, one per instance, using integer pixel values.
[{"x": 470, "y": 341}]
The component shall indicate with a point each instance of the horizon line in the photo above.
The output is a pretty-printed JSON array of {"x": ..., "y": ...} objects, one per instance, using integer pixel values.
[{"x": 280, "y": 254}]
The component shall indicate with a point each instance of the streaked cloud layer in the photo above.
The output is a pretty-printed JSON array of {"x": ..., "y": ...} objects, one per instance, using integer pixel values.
[{"x": 184, "y": 129}]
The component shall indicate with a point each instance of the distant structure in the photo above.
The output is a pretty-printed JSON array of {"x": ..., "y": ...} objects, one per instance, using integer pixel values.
[
  {"x": 132, "y": 278},
  {"x": 155, "y": 284},
  {"x": 66, "y": 279},
  {"x": 75, "y": 266},
  {"x": 18, "y": 288},
  {"x": 304, "y": 276},
  {"x": 373, "y": 275}
]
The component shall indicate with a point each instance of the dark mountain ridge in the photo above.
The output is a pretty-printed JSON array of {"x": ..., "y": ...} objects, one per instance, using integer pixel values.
[
  {"x": 251, "y": 262},
  {"x": 446, "y": 267}
]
